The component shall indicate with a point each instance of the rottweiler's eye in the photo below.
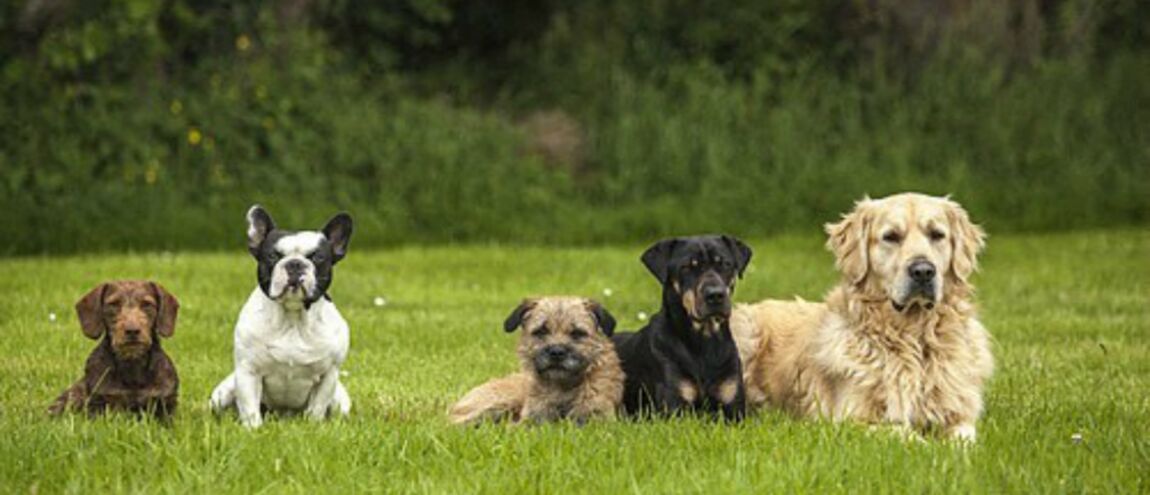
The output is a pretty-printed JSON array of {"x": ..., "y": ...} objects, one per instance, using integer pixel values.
[
  {"x": 694, "y": 263},
  {"x": 892, "y": 237},
  {"x": 539, "y": 332},
  {"x": 578, "y": 334},
  {"x": 937, "y": 235}
]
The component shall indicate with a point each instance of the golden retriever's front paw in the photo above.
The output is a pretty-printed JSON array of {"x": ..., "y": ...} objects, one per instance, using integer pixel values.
[{"x": 964, "y": 433}]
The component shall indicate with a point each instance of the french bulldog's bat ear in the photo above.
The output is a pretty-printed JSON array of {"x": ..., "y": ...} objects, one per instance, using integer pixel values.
[
  {"x": 338, "y": 233},
  {"x": 657, "y": 258},
  {"x": 90, "y": 310},
  {"x": 515, "y": 319},
  {"x": 742, "y": 252},
  {"x": 603, "y": 317},
  {"x": 260, "y": 224},
  {"x": 169, "y": 307}
]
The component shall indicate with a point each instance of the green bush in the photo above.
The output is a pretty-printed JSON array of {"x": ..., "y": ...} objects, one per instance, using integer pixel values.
[{"x": 136, "y": 125}]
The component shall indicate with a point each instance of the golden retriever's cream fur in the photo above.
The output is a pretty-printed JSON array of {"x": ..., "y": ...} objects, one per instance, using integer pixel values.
[{"x": 883, "y": 347}]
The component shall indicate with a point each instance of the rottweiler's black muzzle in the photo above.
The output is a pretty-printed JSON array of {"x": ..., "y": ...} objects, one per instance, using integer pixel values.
[{"x": 716, "y": 296}]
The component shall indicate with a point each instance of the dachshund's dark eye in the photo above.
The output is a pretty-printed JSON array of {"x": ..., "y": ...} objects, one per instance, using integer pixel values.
[
  {"x": 539, "y": 332},
  {"x": 937, "y": 235},
  {"x": 578, "y": 334},
  {"x": 892, "y": 237}
]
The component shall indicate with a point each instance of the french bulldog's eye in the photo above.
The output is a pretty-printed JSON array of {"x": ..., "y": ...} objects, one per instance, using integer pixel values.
[
  {"x": 937, "y": 235},
  {"x": 539, "y": 332},
  {"x": 578, "y": 334},
  {"x": 892, "y": 237}
]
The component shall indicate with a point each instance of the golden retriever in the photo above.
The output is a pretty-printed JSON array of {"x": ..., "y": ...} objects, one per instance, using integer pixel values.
[{"x": 896, "y": 342}]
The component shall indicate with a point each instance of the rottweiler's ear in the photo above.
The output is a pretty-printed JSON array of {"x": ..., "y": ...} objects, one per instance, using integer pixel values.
[
  {"x": 602, "y": 317},
  {"x": 260, "y": 224},
  {"x": 166, "y": 314},
  {"x": 515, "y": 319},
  {"x": 338, "y": 232},
  {"x": 658, "y": 257},
  {"x": 90, "y": 310},
  {"x": 742, "y": 253}
]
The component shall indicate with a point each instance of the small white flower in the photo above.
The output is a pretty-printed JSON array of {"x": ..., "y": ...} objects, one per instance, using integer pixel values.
[
  {"x": 51, "y": 316},
  {"x": 607, "y": 292},
  {"x": 379, "y": 301},
  {"x": 1076, "y": 438},
  {"x": 642, "y": 316},
  {"x": 343, "y": 373}
]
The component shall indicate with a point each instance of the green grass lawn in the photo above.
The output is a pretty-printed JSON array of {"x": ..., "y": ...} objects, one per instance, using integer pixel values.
[{"x": 1070, "y": 315}]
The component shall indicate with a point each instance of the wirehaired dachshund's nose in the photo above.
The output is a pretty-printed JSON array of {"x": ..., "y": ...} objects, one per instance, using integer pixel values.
[{"x": 921, "y": 271}]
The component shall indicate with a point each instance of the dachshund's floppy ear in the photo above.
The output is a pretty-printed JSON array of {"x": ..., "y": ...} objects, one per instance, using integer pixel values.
[
  {"x": 90, "y": 310},
  {"x": 515, "y": 319},
  {"x": 260, "y": 224},
  {"x": 847, "y": 239},
  {"x": 658, "y": 256},
  {"x": 742, "y": 252},
  {"x": 166, "y": 314},
  {"x": 602, "y": 317},
  {"x": 338, "y": 233},
  {"x": 967, "y": 240}
]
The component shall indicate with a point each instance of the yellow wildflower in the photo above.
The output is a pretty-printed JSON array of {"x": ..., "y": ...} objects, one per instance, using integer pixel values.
[
  {"x": 243, "y": 43},
  {"x": 194, "y": 136}
]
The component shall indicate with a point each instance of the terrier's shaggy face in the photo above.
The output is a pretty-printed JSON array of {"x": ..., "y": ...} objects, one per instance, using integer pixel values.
[{"x": 562, "y": 337}]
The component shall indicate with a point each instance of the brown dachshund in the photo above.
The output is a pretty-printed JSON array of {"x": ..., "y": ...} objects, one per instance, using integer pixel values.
[{"x": 127, "y": 371}]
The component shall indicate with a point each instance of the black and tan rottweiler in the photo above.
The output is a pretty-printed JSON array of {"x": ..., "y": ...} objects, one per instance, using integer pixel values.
[{"x": 685, "y": 359}]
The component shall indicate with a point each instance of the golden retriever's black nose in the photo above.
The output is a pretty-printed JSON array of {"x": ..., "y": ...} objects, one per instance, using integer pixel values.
[{"x": 921, "y": 271}]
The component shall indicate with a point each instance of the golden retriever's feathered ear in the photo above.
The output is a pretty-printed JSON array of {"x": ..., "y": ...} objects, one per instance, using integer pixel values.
[
  {"x": 967, "y": 240},
  {"x": 847, "y": 239}
]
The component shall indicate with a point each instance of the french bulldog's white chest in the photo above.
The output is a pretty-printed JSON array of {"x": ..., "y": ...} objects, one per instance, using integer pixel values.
[{"x": 290, "y": 350}]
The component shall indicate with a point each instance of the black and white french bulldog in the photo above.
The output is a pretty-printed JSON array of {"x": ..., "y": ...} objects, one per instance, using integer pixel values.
[{"x": 290, "y": 339}]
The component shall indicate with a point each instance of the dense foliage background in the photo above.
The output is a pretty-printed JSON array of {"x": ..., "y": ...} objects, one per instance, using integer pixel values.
[{"x": 137, "y": 124}]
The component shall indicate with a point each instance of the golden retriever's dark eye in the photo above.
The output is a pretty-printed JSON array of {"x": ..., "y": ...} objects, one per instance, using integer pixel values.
[
  {"x": 539, "y": 332},
  {"x": 892, "y": 237},
  {"x": 937, "y": 235},
  {"x": 578, "y": 334}
]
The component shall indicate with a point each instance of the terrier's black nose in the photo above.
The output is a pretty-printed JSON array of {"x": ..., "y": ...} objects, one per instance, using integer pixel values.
[
  {"x": 556, "y": 352},
  {"x": 714, "y": 296},
  {"x": 921, "y": 271}
]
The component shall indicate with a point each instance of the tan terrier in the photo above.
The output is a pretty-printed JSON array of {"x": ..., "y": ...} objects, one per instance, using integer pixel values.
[{"x": 570, "y": 369}]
